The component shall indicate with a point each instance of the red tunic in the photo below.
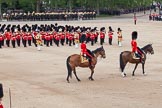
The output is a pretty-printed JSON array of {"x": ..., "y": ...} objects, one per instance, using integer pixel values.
[
  {"x": 1, "y": 106},
  {"x": 92, "y": 36},
  {"x": 1, "y": 38},
  {"x": 29, "y": 36},
  {"x": 62, "y": 36},
  {"x": 18, "y": 36},
  {"x": 110, "y": 34},
  {"x": 102, "y": 35},
  {"x": 134, "y": 45},
  {"x": 8, "y": 35},
  {"x": 25, "y": 36},
  {"x": 57, "y": 37},
  {"x": 47, "y": 37},
  {"x": 71, "y": 36},
  {"x": 67, "y": 34},
  {"x": 83, "y": 48},
  {"x": 13, "y": 38}
]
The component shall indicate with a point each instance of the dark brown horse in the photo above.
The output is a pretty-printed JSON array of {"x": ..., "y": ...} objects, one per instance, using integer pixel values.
[
  {"x": 74, "y": 61},
  {"x": 127, "y": 56}
]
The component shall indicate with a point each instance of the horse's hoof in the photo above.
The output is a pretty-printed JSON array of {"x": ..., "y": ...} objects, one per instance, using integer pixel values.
[
  {"x": 124, "y": 74},
  {"x": 144, "y": 74},
  {"x": 133, "y": 75},
  {"x": 79, "y": 80},
  {"x": 90, "y": 78}
]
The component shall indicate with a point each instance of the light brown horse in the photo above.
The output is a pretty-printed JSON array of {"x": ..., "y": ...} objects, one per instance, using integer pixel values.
[
  {"x": 74, "y": 61},
  {"x": 126, "y": 56}
]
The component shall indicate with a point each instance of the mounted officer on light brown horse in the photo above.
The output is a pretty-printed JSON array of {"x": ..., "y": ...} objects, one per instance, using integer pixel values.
[
  {"x": 136, "y": 56},
  {"x": 75, "y": 60}
]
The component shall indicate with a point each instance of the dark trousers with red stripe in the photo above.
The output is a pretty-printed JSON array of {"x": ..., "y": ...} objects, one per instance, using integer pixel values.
[
  {"x": 13, "y": 43},
  {"x": 0, "y": 43},
  {"x": 47, "y": 43},
  {"x": 18, "y": 42},
  {"x": 29, "y": 42},
  {"x": 110, "y": 41},
  {"x": 101, "y": 41},
  {"x": 8, "y": 43}
]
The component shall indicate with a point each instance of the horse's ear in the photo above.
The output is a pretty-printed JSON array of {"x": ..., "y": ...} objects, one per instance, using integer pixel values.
[
  {"x": 102, "y": 46},
  {"x": 151, "y": 44}
]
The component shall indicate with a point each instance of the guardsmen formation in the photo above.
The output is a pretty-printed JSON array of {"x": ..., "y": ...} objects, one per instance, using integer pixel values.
[
  {"x": 102, "y": 35},
  {"x": 53, "y": 35},
  {"x": 110, "y": 34},
  {"x": 50, "y": 16}
]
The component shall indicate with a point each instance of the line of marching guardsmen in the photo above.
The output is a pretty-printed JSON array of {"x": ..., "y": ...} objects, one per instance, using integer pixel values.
[{"x": 52, "y": 34}]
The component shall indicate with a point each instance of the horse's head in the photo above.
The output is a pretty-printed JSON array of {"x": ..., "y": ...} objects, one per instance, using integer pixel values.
[
  {"x": 100, "y": 51},
  {"x": 103, "y": 55},
  {"x": 148, "y": 49}
]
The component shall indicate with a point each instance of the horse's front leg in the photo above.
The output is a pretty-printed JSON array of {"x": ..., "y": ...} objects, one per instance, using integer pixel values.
[
  {"x": 134, "y": 69},
  {"x": 143, "y": 68},
  {"x": 92, "y": 71}
]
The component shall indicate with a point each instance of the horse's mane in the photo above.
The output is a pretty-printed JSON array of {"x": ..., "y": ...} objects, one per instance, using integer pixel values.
[
  {"x": 97, "y": 50},
  {"x": 145, "y": 47}
]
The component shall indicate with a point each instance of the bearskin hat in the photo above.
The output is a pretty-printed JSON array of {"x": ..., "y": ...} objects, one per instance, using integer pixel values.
[
  {"x": 110, "y": 29},
  {"x": 134, "y": 35},
  {"x": 102, "y": 29},
  {"x": 119, "y": 29}
]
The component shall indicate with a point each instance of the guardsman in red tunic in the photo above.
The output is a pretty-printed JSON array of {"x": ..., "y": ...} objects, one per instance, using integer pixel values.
[
  {"x": 71, "y": 37},
  {"x": 96, "y": 34},
  {"x": 67, "y": 36},
  {"x": 13, "y": 39},
  {"x": 135, "y": 19},
  {"x": 92, "y": 37},
  {"x": 1, "y": 39},
  {"x": 62, "y": 37},
  {"x": 24, "y": 38},
  {"x": 88, "y": 34},
  {"x": 18, "y": 38},
  {"x": 47, "y": 37},
  {"x": 51, "y": 37},
  {"x": 57, "y": 37},
  {"x": 86, "y": 53},
  {"x": 135, "y": 49},
  {"x": 119, "y": 33},
  {"x": 29, "y": 35},
  {"x": 8, "y": 37},
  {"x": 102, "y": 35},
  {"x": 110, "y": 34}
]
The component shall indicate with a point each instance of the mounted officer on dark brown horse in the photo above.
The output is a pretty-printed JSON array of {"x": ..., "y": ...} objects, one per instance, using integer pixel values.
[{"x": 138, "y": 55}]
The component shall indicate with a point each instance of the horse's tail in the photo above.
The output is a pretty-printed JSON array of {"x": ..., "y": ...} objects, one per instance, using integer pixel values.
[
  {"x": 69, "y": 67},
  {"x": 122, "y": 66}
]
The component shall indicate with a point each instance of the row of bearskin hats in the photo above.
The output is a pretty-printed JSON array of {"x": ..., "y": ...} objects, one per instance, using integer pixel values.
[
  {"x": 42, "y": 27},
  {"x": 27, "y": 28}
]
